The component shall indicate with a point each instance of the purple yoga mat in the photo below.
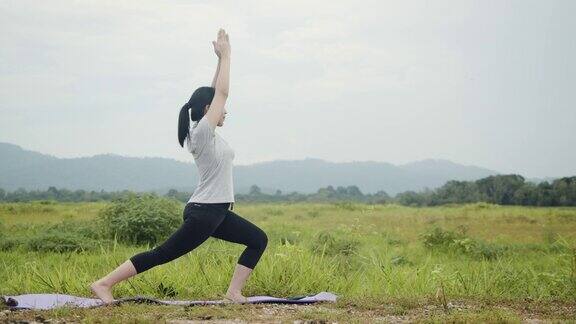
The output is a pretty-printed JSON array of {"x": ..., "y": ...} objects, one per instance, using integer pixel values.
[{"x": 49, "y": 301}]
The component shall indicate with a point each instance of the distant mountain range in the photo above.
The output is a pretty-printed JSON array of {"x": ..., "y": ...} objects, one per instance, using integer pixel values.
[{"x": 21, "y": 168}]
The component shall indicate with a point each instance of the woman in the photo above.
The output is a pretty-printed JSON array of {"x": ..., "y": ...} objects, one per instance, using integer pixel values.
[{"x": 209, "y": 209}]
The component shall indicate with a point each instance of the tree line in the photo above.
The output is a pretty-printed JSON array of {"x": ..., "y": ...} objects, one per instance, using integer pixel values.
[{"x": 500, "y": 189}]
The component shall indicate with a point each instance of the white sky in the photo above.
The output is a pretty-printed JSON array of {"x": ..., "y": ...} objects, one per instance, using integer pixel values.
[{"x": 487, "y": 83}]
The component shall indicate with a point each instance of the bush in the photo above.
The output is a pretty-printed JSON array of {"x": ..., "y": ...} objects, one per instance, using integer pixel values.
[
  {"x": 11, "y": 243},
  {"x": 444, "y": 240},
  {"x": 439, "y": 238},
  {"x": 65, "y": 236},
  {"x": 329, "y": 244},
  {"x": 83, "y": 228},
  {"x": 478, "y": 249},
  {"x": 60, "y": 242},
  {"x": 141, "y": 218}
]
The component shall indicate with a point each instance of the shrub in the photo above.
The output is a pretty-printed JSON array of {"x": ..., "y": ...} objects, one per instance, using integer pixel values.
[
  {"x": 66, "y": 236},
  {"x": 332, "y": 245},
  {"x": 439, "y": 238},
  {"x": 444, "y": 240},
  {"x": 478, "y": 249},
  {"x": 141, "y": 218},
  {"x": 83, "y": 228},
  {"x": 11, "y": 243},
  {"x": 60, "y": 242}
]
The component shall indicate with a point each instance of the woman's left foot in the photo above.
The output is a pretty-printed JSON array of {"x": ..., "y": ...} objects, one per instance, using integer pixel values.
[
  {"x": 235, "y": 297},
  {"x": 102, "y": 291}
]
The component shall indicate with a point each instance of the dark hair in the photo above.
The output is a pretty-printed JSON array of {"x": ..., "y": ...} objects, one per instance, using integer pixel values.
[{"x": 200, "y": 98}]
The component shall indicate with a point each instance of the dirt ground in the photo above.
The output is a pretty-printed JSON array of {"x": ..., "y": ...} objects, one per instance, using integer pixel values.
[{"x": 525, "y": 312}]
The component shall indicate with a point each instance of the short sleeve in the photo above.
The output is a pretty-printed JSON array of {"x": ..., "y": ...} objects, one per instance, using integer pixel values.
[{"x": 200, "y": 135}]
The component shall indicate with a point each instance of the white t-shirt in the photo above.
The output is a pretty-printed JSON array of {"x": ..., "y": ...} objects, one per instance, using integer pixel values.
[{"x": 213, "y": 157}]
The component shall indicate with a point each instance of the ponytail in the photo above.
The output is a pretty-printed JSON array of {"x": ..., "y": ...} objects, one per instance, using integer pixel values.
[{"x": 183, "y": 124}]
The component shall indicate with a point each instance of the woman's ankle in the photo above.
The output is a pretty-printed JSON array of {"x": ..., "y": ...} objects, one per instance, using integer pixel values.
[
  {"x": 233, "y": 292},
  {"x": 103, "y": 282}
]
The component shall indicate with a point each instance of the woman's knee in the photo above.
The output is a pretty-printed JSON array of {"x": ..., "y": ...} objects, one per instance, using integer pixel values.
[{"x": 262, "y": 240}]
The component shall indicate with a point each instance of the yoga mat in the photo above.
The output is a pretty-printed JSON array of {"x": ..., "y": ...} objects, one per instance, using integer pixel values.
[{"x": 49, "y": 301}]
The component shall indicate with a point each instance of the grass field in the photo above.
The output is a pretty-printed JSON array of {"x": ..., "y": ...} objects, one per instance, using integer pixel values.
[{"x": 468, "y": 263}]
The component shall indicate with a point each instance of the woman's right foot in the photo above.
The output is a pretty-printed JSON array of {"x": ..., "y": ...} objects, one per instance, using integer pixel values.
[
  {"x": 235, "y": 297},
  {"x": 102, "y": 291}
]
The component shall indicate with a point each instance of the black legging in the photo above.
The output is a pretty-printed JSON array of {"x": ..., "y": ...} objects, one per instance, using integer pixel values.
[{"x": 202, "y": 220}]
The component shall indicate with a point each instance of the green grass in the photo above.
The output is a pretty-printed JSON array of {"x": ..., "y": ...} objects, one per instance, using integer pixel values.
[{"x": 372, "y": 256}]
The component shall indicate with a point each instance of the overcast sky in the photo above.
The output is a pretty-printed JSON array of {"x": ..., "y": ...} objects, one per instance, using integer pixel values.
[{"x": 486, "y": 83}]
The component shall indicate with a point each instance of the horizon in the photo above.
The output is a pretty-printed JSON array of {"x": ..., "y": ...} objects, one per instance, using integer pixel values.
[{"x": 297, "y": 160}]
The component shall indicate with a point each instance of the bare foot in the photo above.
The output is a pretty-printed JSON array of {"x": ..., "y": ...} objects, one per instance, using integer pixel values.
[
  {"x": 235, "y": 297},
  {"x": 102, "y": 291}
]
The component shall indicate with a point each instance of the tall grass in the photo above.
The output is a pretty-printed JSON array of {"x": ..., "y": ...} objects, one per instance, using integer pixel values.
[{"x": 476, "y": 251}]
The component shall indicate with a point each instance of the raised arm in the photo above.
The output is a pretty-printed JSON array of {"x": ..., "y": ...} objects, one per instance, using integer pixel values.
[
  {"x": 222, "y": 84},
  {"x": 217, "y": 70}
]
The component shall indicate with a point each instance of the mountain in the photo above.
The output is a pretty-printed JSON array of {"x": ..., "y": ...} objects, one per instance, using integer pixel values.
[
  {"x": 21, "y": 168},
  {"x": 31, "y": 170},
  {"x": 436, "y": 171}
]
